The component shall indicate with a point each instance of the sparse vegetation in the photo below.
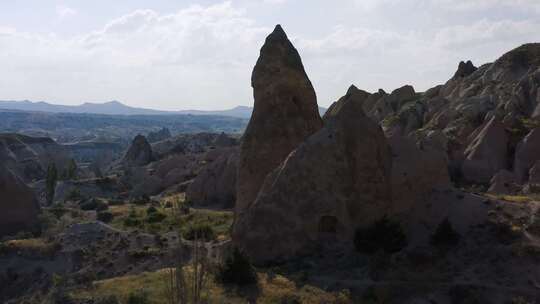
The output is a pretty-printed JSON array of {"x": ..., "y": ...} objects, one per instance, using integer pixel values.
[
  {"x": 105, "y": 216},
  {"x": 384, "y": 234},
  {"x": 199, "y": 230}
]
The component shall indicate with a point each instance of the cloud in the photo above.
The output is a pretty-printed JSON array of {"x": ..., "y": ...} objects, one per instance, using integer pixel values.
[
  {"x": 202, "y": 56},
  {"x": 64, "y": 11},
  {"x": 198, "y": 57}
]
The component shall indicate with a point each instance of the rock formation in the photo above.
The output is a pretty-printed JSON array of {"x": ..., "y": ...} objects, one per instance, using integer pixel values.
[
  {"x": 160, "y": 135},
  {"x": 527, "y": 153},
  {"x": 487, "y": 153},
  {"x": 504, "y": 182},
  {"x": 285, "y": 113},
  {"x": 19, "y": 209},
  {"x": 139, "y": 153},
  {"x": 334, "y": 182},
  {"x": 415, "y": 173},
  {"x": 215, "y": 185},
  {"x": 465, "y": 69}
]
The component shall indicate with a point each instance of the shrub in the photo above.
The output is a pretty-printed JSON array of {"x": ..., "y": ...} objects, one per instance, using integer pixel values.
[
  {"x": 107, "y": 300},
  {"x": 151, "y": 210},
  {"x": 94, "y": 204},
  {"x": 237, "y": 270},
  {"x": 105, "y": 216},
  {"x": 138, "y": 298},
  {"x": 74, "y": 194},
  {"x": 155, "y": 217},
  {"x": 116, "y": 202},
  {"x": 445, "y": 235},
  {"x": 384, "y": 235},
  {"x": 132, "y": 222},
  {"x": 201, "y": 231}
]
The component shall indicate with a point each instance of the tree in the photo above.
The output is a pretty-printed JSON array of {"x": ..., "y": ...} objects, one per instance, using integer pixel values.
[
  {"x": 72, "y": 169},
  {"x": 50, "y": 183}
]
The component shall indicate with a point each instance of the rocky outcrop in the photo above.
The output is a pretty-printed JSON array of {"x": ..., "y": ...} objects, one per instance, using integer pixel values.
[
  {"x": 487, "y": 153},
  {"x": 465, "y": 69},
  {"x": 139, "y": 153},
  {"x": 335, "y": 181},
  {"x": 527, "y": 153},
  {"x": 28, "y": 157},
  {"x": 160, "y": 135},
  {"x": 285, "y": 113},
  {"x": 19, "y": 208},
  {"x": 215, "y": 185}
]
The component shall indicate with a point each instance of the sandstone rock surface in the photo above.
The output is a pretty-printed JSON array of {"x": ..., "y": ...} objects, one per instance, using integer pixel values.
[
  {"x": 334, "y": 182},
  {"x": 285, "y": 113}
]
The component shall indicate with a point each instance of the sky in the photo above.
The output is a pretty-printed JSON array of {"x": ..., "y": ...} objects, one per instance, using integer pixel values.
[{"x": 181, "y": 54}]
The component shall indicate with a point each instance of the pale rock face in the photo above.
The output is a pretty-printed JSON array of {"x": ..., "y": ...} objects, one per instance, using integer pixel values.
[
  {"x": 334, "y": 182},
  {"x": 285, "y": 113},
  {"x": 527, "y": 153},
  {"x": 19, "y": 208},
  {"x": 487, "y": 153}
]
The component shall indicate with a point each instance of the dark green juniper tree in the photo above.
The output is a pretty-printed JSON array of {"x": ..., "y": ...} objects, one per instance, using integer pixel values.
[{"x": 50, "y": 183}]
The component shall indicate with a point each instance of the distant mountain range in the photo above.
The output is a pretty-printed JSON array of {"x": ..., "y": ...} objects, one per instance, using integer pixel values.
[{"x": 118, "y": 108}]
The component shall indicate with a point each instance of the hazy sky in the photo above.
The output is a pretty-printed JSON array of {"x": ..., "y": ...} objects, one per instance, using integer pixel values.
[{"x": 174, "y": 54}]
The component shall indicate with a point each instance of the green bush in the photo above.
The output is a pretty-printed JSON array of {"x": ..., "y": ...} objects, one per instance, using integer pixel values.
[
  {"x": 74, "y": 194},
  {"x": 384, "y": 234},
  {"x": 105, "y": 216},
  {"x": 132, "y": 222},
  {"x": 201, "y": 231},
  {"x": 155, "y": 217},
  {"x": 237, "y": 270},
  {"x": 445, "y": 235},
  {"x": 107, "y": 300},
  {"x": 138, "y": 298},
  {"x": 151, "y": 210}
]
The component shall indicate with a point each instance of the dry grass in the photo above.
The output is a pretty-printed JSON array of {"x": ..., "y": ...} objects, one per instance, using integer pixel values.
[
  {"x": 220, "y": 221},
  {"x": 513, "y": 198},
  {"x": 30, "y": 247},
  {"x": 279, "y": 289}
]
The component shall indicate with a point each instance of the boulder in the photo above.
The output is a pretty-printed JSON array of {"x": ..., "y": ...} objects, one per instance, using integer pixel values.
[
  {"x": 333, "y": 183},
  {"x": 486, "y": 154},
  {"x": 139, "y": 153},
  {"x": 19, "y": 208},
  {"x": 285, "y": 113},
  {"x": 527, "y": 153},
  {"x": 504, "y": 182},
  {"x": 216, "y": 183}
]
